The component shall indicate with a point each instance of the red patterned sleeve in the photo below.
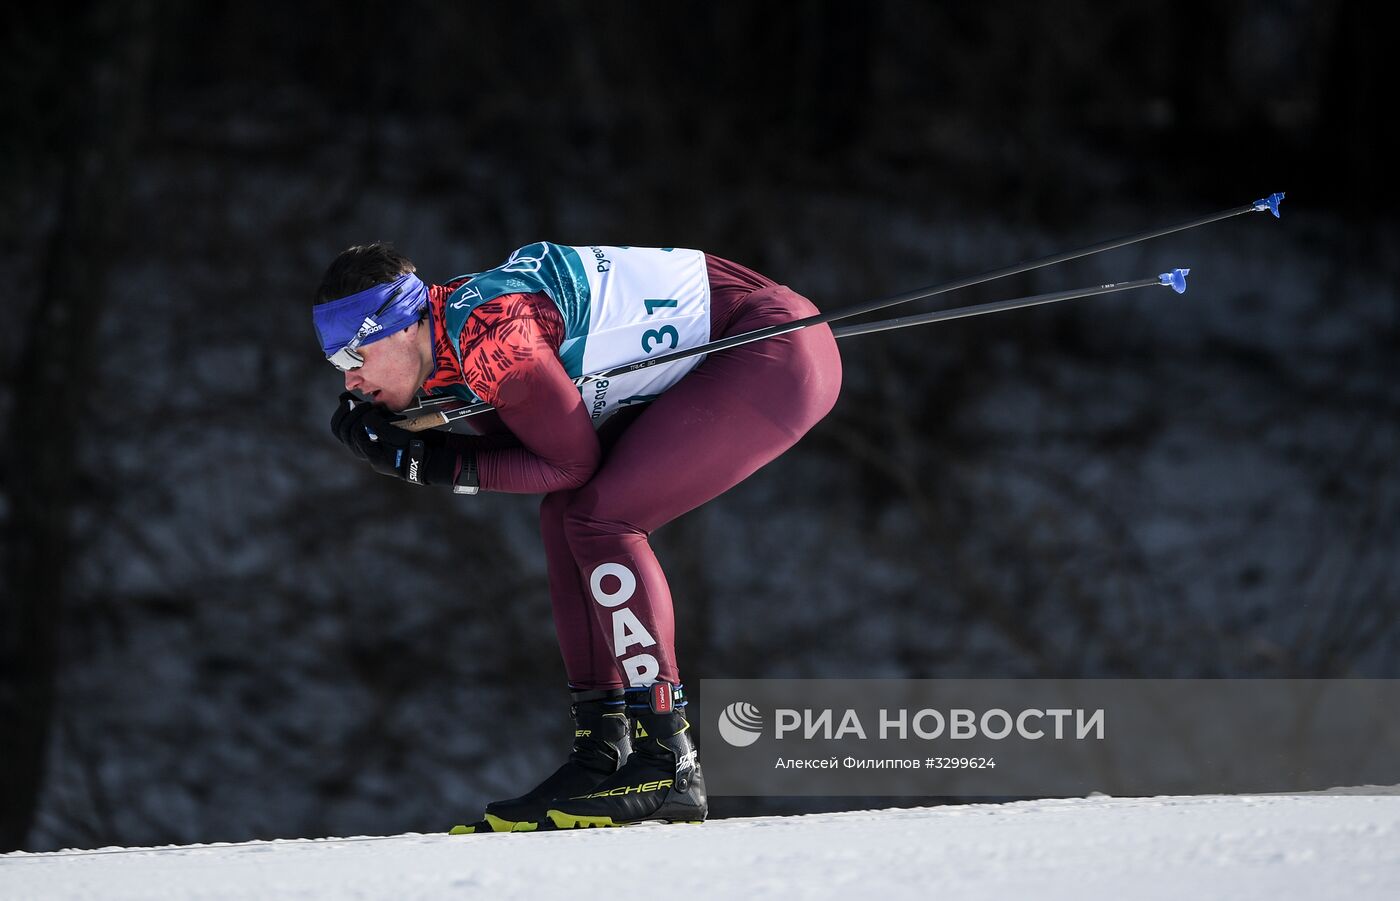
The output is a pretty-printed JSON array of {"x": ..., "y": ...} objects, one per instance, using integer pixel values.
[{"x": 509, "y": 353}]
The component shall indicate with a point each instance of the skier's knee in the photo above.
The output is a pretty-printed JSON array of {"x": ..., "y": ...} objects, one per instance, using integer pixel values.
[
  {"x": 554, "y": 504},
  {"x": 587, "y": 516}
]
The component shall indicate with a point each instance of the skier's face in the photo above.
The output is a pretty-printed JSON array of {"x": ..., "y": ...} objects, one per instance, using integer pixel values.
[{"x": 394, "y": 367}]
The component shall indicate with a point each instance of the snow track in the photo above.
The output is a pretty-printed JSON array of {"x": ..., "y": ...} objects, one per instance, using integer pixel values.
[{"x": 1338, "y": 845}]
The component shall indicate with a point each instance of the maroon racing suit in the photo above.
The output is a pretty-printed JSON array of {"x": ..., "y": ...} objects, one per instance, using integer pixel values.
[{"x": 606, "y": 490}]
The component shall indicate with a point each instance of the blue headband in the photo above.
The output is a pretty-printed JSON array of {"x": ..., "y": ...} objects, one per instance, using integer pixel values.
[{"x": 370, "y": 315}]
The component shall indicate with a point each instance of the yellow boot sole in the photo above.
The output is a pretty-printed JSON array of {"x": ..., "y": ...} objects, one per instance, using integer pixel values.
[
  {"x": 493, "y": 823},
  {"x": 500, "y": 825},
  {"x": 564, "y": 820}
]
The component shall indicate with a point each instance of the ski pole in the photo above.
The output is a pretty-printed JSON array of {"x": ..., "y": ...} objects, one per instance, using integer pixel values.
[
  {"x": 1176, "y": 280},
  {"x": 1269, "y": 203}
]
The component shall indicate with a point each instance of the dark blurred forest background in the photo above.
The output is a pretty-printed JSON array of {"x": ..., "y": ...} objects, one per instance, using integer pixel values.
[{"x": 216, "y": 625}]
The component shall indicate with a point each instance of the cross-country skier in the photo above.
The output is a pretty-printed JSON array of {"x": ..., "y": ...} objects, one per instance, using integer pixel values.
[{"x": 614, "y": 458}]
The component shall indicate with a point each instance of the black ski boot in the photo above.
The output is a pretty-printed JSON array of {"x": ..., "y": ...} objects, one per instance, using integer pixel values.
[
  {"x": 661, "y": 780},
  {"x": 600, "y": 746}
]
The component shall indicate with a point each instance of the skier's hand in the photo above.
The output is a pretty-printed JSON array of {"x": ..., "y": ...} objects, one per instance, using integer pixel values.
[{"x": 368, "y": 430}]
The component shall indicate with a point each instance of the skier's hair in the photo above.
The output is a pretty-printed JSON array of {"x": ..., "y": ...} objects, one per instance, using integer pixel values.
[{"x": 360, "y": 267}]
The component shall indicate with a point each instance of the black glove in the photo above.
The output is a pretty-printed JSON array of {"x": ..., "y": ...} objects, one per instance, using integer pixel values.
[{"x": 423, "y": 458}]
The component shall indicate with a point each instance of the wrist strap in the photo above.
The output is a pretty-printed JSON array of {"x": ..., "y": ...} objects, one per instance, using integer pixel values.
[{"x": 465, "y": 481}]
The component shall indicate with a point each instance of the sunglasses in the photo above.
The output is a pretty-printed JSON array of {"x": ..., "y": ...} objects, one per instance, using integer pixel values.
[{"x": 348, "y": 358}]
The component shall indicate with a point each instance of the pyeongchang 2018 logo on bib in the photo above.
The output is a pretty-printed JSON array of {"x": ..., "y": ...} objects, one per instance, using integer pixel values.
[{"x": 740, "y": 724}]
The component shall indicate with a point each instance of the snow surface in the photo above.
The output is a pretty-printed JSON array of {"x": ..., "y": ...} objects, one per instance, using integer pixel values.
[{"x": 1333, "y": 845}]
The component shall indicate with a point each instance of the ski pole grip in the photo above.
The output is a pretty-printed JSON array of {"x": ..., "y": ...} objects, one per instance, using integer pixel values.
[{"x": 422, "y": 423}]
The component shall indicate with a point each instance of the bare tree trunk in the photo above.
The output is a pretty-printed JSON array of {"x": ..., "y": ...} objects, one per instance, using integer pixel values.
[{"x": 54, "y": 370}]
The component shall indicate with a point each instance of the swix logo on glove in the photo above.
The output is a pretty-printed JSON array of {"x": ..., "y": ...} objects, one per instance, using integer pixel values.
[{"x": 416, "y": 454}]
